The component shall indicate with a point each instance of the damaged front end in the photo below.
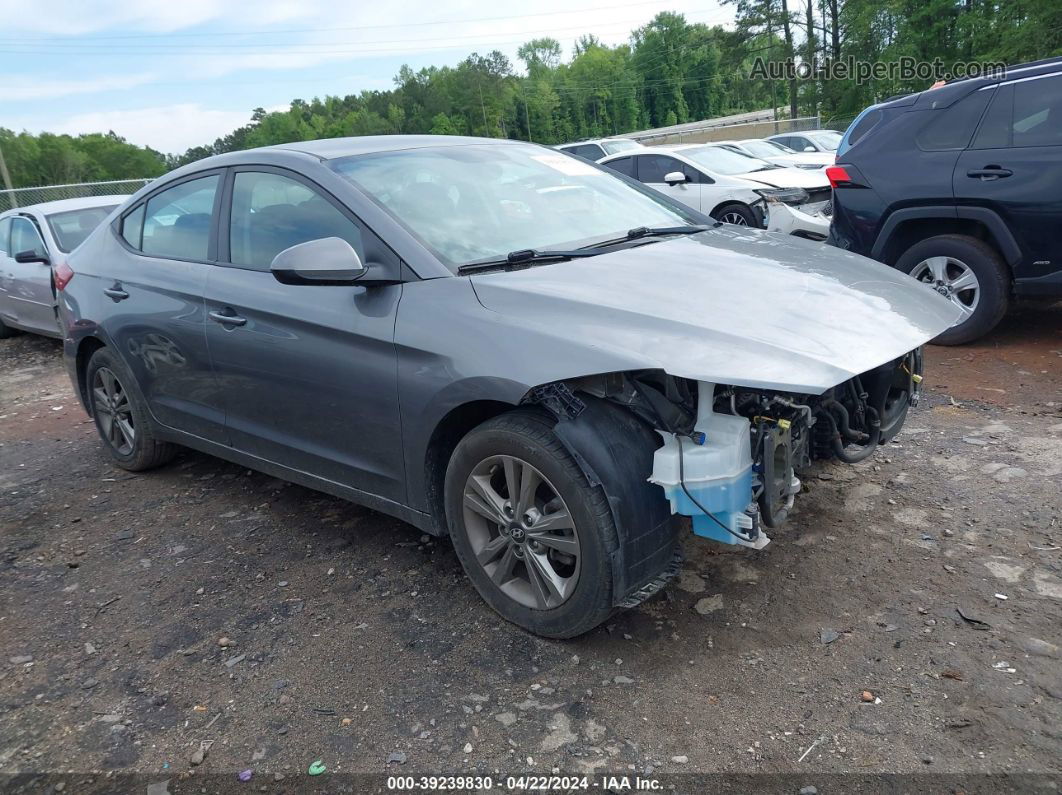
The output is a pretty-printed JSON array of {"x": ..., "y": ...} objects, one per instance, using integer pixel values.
[{"x": 731, "y": 457}]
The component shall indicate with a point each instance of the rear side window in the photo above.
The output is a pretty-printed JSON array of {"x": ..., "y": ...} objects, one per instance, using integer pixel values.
[
  {"x": 177, "y": 221},
  {"x": 271, "y": 212},
  {"x": 589, "y": 151},
  {"x": 952, "y": 127},
  {"x": 624, "y": 165},
  {"x": 25, "y": 237},
  {"x": 5, "y": 234}
]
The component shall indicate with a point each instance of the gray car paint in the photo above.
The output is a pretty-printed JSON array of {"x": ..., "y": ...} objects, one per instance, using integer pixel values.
[{"x": 341, "y": 388}]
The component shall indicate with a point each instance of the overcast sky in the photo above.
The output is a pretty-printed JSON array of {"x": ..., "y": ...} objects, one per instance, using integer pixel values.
[{"x": 177, "y": 73}]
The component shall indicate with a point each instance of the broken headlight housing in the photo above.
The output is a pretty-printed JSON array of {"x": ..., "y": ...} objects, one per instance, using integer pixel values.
[{"x": 783, "y": 195}]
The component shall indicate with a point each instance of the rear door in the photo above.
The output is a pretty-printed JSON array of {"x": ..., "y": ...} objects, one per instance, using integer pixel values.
[
  {"x": 153, "y": 290},
  {"x": 30, "y": 283},
  {"x": 1014, "y": 167},
  {"x": 309, "y": 372},
  {"x": 653, "y": 167}
]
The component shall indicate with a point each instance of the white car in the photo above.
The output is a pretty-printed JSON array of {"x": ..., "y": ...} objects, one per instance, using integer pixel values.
[
  {"x": 774, "y": 152},
  {"x": 809, "y": 141},
  {"x": 32, "y": 239},
  {"x": 600, "y": 147},
  {"x": 730, "y": 186}
]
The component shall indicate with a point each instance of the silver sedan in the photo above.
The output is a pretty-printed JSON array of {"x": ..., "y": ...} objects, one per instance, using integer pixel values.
[{"x": 32, "y": 239}]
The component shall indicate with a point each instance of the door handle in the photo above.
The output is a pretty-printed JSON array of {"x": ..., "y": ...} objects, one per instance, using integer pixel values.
[
  {"x": 989, "y": 173},
  {"x": 227, "y": 319},
  {"x": 116, "y": 293}
]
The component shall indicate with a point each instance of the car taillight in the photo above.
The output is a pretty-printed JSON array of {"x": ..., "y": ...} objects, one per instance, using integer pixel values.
[
  {"x": 63, "y": 274},
  {"x": 837, "y": 175}
]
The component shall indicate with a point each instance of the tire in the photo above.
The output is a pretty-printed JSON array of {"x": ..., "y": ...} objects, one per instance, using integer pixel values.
[
  {"x": 736, "y": 211},
  {"x": 960, "y": 254},
  {"x": 577, "y": 605},
  {"x": 124, "y": 407}
]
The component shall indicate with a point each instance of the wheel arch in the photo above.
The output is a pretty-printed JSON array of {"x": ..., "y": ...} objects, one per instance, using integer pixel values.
[
  {"x": 85, "y": 350},
  {"x": 906, "y": 227}
]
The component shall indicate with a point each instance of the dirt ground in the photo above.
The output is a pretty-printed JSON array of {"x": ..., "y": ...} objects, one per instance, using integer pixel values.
[{"x": 907, "y": 620}]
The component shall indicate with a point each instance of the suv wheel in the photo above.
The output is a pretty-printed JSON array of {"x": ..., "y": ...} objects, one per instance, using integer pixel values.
[
  {"x": 121, "y": 416},
  {"x": 970, "y": 274},
  {"x": 532, "y": 534}
]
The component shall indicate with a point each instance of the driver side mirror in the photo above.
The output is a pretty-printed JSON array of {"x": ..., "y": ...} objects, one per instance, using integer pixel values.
[
  {"x": 32, "y": 256},
  {"x": 328, "y": 261},
  {"x": 810, "y": 148},
  {"x": 675, "y": 178}
]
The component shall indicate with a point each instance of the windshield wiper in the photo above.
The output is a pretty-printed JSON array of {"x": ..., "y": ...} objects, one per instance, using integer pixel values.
[
  {"x": 529, "y": 256},
  {"x": 650, "y": 231},
  {"x": 525, "y": 256}
]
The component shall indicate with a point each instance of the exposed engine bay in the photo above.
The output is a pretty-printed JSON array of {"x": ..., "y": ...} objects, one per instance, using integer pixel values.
[{"x": 732, "y": 456}]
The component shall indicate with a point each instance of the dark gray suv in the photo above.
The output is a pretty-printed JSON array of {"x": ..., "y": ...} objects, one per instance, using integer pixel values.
[{"x": 493, "y": 341}]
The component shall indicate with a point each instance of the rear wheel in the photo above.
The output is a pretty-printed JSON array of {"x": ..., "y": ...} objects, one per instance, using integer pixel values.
[
  {"x": 121, "y": 416},
  {"x": 970, "y": 274},
  {"x": 532, "y": 534},
  {"x": 737, "y": 214}
]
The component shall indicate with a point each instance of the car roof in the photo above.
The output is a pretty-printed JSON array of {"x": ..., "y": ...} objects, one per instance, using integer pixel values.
[
  {"x": 63, "y": 205},
  {"x": 332, "y": 148}
]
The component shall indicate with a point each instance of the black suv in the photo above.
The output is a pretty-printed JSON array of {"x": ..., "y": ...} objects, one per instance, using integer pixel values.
[{"x": 961, "y": 187}]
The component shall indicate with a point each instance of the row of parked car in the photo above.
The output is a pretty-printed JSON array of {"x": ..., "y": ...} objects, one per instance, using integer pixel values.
[
  {"x": 758, "y": 183},
  {"x": 543, "y": 358}
]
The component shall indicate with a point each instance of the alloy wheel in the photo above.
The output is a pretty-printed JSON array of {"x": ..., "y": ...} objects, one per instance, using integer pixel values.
[
  {"x": 953, "y": 279},
  {"x": 733, "y": 218},
  {"x": 521, "y": 532},
  {"x": 113, "y": 411}
]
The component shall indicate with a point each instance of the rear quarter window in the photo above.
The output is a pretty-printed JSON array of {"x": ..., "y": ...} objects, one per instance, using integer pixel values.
[{"x": 952, "y": 127}]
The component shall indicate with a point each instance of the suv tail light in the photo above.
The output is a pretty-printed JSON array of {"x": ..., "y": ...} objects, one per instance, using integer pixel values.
[
  {"x": 837, "y": 175},
  {"x": 63, "y": 273}
]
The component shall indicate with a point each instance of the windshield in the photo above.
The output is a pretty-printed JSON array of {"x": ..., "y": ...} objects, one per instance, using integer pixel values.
[
  {"x": 472, "y": 203},
  {"x": 611, "y": 147},
  {"x": 724, "y": 161},
  {"x": 71, "y": 228},
  {"x": 763, "y": 149},
  {"x": 827, "y": 140}
]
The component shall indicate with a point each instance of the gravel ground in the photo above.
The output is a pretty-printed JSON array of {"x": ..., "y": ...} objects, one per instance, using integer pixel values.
[{"x": 906, "y": 620}]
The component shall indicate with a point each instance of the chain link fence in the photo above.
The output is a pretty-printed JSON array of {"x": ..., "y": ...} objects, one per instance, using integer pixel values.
[{"x": 23, "y": 197}]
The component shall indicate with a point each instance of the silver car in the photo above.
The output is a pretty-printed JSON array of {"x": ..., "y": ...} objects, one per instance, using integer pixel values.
[
  {"x": 544, "y": 361},
  {"x": 32, "y": 239}
]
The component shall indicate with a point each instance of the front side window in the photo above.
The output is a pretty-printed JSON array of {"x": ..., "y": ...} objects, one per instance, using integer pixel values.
[
  {"x": 483, "y": 201},
  {"x": 800, "y": 144},
  {"x": 25, "y": 237},
  {"x": 72, "y": 227},
  {"x": 271, "y": 212},
  {"x": 653, "y": 168},
  {"x": 177, "y": 220}
]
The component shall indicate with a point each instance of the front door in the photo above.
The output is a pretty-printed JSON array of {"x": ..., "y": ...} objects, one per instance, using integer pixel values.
[
  {"x": 29, "y": 284},
  {"x": 652, "y": 168},
  {"x": 1014, "y": 167},
  {"x": 309, "y": 372}
]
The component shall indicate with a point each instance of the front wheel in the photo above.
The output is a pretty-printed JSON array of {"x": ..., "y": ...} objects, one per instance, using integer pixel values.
[
  {"x": 534, "y": 537},
  {"x": 737, "y": 214},
  {"x": 970, "y": 274},
  {"x": 121, "y": 416}
]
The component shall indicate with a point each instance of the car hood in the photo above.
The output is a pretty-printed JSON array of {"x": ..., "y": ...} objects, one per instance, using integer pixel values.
[
  {"x": 788, "y": 178},
  {"x": 730, "y": 306}
]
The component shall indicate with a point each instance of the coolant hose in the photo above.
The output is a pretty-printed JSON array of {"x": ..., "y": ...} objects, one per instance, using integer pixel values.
[
  {"x": 870, "y": 446},
  {"x": 842, "y": 422}
]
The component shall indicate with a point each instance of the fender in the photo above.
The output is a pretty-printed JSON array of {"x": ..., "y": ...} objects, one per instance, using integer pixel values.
[{"x": 1008, "y": 246}]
